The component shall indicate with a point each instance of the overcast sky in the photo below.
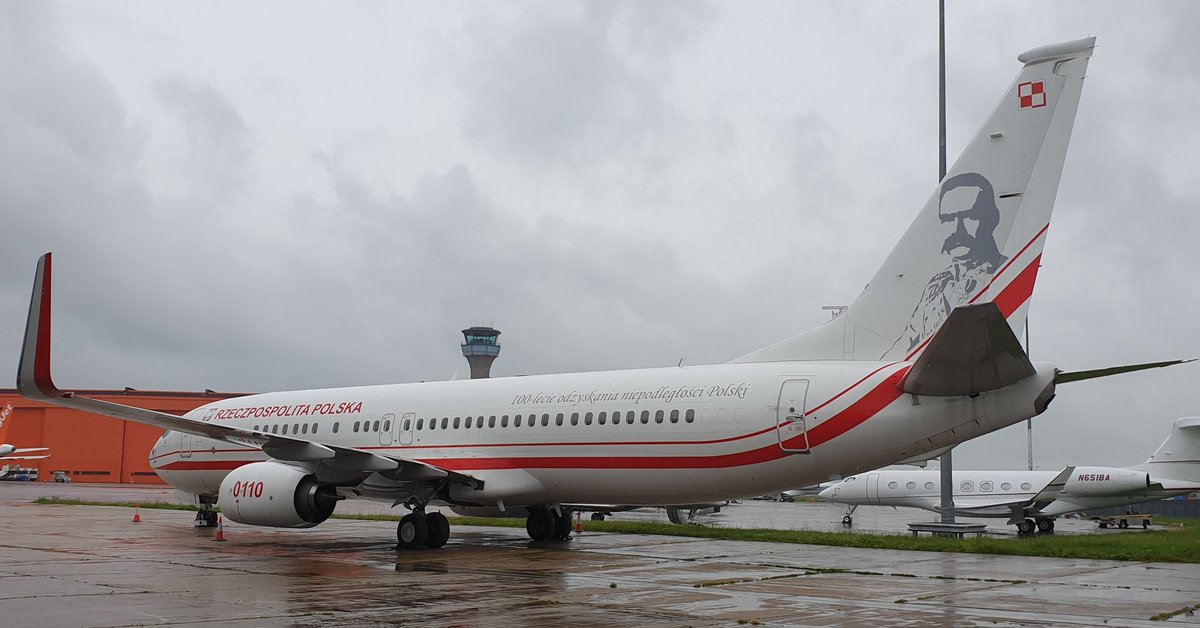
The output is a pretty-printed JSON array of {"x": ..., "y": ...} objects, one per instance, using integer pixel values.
[{"x": 270, "y": 195}]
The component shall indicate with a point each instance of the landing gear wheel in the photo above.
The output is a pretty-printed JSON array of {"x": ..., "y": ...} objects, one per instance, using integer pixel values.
[
  {"x": 597, "y": 516},
  {"x": 413, "y": 531},
  {"x": 1123, "y": 524},
  {"x": 1025, "y": 526},
  {"x": 673, "y": 515},
  {"x": 847, "y": 520},
  {"x": 1045, "y": 525},
  {"x": 562, "y": 524},
  {"x": 540, "y": 523},
  {"x": 439, "y": 530},
  {"x": 206, "y": 519}
]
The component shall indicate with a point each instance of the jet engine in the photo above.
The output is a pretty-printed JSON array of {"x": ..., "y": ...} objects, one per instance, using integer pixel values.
[
  {"x": 276, "y": 495},
  {"x": 1095, "y": 481}
]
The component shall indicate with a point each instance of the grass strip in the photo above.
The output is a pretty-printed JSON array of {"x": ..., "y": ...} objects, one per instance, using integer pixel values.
[{"x": 1179, "y": 544}]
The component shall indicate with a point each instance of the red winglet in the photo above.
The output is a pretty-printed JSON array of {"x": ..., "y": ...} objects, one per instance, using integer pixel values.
[{"x": 33, "y": 373}]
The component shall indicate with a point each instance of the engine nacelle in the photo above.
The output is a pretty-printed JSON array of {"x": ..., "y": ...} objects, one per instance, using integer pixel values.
[
  {"x": 276, "y": 495},
  {"x": 1105, "y": 481}
]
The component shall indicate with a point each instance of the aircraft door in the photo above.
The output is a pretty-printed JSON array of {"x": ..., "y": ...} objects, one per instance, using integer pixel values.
[
  {"x": 873, "y": 488},
  {"x": 791, "y": 424},
  {"x": 406, "y": 427},
  {"x": 387, "y": 429},
  {"x": 185, "y": 445}
]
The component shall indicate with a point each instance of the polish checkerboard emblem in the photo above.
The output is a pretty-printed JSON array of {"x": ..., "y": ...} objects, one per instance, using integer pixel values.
[{"x": 1031, "y": 95}]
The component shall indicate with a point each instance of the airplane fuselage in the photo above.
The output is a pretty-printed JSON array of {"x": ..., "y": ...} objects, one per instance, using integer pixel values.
[{"x": 708, "y": 433}]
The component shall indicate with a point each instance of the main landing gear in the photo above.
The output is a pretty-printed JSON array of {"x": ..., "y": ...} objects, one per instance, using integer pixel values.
[
  {"x": 544, "y": 523},
  {"x": 419, "y": 529},
  {"x": 1026, "y": 527}
]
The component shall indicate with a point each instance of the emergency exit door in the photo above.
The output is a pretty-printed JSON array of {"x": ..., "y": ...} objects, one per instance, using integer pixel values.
[{"x": 791, "y": 424}]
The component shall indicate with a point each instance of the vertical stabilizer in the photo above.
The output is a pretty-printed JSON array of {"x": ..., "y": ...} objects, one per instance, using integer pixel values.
[
  {"x": 979, "y": 237},
  {"x": 1178, "y": 458}
]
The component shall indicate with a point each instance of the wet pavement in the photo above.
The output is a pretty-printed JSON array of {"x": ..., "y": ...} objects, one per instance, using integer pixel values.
[{"x": 86, "y": 565}]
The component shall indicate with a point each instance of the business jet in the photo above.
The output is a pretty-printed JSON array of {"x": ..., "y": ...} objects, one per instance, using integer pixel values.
[
  {"x": 12, "y": 452},
  {"x": 924, "y": 358},
  {"x": 1030, "y": 499}
]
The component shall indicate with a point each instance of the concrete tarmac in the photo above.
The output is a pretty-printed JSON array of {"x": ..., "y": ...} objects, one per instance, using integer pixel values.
[{"x": 91, "y": 566}]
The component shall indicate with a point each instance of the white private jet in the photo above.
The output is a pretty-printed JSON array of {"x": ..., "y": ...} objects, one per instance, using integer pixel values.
[
  {"x": 12, "y": 452},
  {"x": 1030, "y": 499},
  {"x": 924, "y": 359}
]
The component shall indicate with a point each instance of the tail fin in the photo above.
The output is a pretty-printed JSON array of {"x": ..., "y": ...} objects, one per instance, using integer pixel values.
[
  {"x": 1178, "y": 458},
  {"x": 979, "y": 238}
]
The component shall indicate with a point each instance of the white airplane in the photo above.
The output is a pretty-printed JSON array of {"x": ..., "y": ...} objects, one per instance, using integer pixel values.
[
  {"x": 924, "y": 359},
  {"x": 12, "y": 452},
  {"x": 1030, "y": 499}
]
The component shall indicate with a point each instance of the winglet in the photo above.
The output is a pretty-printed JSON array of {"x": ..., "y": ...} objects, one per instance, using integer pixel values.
[{"x": 33, "y": 372}]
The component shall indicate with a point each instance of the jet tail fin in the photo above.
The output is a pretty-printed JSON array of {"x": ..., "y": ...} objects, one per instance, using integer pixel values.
[
  {"x": 1178, "y": 457},
  {"x": 974, "y": 351},
  {"x": 980, "y": 235}
]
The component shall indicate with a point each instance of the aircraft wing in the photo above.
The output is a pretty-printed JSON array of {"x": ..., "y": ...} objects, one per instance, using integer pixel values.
[
  {"x": 34, "y": 382},
  {"x": 23, "y": 454},
  {"x": 1051, "y": 491}
]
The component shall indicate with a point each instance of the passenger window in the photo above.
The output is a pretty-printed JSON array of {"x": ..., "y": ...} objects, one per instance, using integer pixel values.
[
  {"x": 929, "y": 486},
  {"x": 285, "y": 429},
  {"x": 1006, "y": 486},
  {"x": 558, "y": 419},
  {"x": 295, "y": 428},
  {"x": 674, "y": 416},
  {"x": 911, "y": 485},
  {"x": 387, "y": 425},
  {"x": 420, "y": 424},
  {"x": 629, "y": 417},
  {"x": 304, "y": 428},
  {"x": 645, "y": 417},
  {"x": 504, "y": 421},
  {"x": 274, "y": 429},
  {"x": 491, "y": 421},
  {"x": 1026, "y": 486},
  {"x": 602, "y": 418},
  {"x": 445, "y": 422},
  {"x": 517, "y": 421},
  {"x": 336, "y": 425},
  {"x": 658, "y": 416},
  {"x": 455, "y": 422},
  {"x": 546, "y": 420},
  {"x": 689, "y": 416},
  {"x": 587, "y": 418},
  {"x": 255, "y": 428},
  {"x": 967, "y": 486},
  {"x": 985, "y": 486},
  {"x": 407, "y": 425},
  {"x": 574, "y": 418},
  {"x": 470, "y": 419},
  {"x": 314, "y": 430},
  {"x": 377, "y": 426},
  {"x": 893, "y": 485},
  {"x": 356, "y": 427}
]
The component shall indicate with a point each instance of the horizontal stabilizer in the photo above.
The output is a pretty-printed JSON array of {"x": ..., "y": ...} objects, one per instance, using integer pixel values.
[
  {"x": 1064, "y": 378},
  {"x": 974, "y": 351}
]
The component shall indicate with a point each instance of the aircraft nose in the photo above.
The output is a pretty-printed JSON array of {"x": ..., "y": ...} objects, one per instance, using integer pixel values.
[{"x": 828, "y": 493}]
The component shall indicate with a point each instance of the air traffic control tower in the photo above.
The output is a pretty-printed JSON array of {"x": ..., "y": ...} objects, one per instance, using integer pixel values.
[{"x": 481, "y": 346}]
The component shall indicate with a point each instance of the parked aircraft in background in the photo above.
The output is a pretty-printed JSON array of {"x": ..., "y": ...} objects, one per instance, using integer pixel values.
[
  {"x": 1034, "y": 498},
  {"x": 12, "y": 452},
  {"x": 924, "y": 359}
]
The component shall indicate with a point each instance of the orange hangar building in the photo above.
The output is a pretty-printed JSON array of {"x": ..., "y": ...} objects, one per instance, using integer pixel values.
[{"x": 86, "y": 447}]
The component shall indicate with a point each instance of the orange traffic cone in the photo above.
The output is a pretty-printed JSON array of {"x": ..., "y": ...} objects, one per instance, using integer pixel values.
[
  {"x": 578, "y": 523},
  {"x": 137, "y": 518},
  {"x": 220, "y": 529}
]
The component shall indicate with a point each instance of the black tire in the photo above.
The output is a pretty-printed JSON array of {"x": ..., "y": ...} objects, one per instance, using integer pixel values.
[
  {"x": 1123, "y": 524},
  {"x": 673, "y": 515},
  {"x": 540, "y": 523},
  {"x": 413, "y": 531},
  {"x": 1103, "y": 525},
  {"x": 439, "y": 530},
  {"x": 1025, "y": 526},
  {"x": 562, "y": 524},
  {"x": 597, "y": 516},
  {"x": 1045, "y": 525},
  {"x": 847, "y": 520}
]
